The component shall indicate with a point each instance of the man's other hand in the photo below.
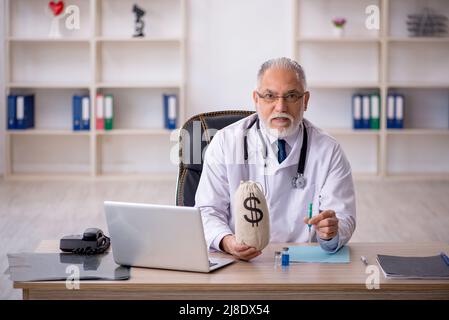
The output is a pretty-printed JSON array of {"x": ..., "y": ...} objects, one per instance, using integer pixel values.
[
  {"x": 243, "y": 252},
  {"x": 325, "y": 224}
]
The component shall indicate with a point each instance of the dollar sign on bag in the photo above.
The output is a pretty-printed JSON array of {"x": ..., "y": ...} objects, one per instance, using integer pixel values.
[{"x": 256, "y": 214}]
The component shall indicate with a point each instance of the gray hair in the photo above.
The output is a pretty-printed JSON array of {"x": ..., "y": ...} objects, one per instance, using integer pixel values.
[{"x": 282, "y": 63}]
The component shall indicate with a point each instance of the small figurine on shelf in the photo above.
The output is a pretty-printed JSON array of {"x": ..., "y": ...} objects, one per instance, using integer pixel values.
[
  {"x": 139, "y": 24},
  {"x": 56, "y": 8},
  {"x": 339, "y": 24}
]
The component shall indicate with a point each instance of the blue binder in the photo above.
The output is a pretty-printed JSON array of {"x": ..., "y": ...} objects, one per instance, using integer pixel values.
[
  {"x": 25, "y": 112},
  {"x": 366, "y": 112},
  {"x": 170, "y": 110},
  {"x": 399, "y": 111},
  {"x": 357, "y": 111},
  {"x": 77, "y": 111},
  {"x": 391, "y": 111},
  {"x": 12, "y": 120},
  {"x": 31, "y": 110},
  {"x": 85, "y": 113}
]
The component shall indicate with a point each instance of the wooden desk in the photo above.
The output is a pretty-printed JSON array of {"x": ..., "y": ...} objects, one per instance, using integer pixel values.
[{"x": 257, "y": 279}]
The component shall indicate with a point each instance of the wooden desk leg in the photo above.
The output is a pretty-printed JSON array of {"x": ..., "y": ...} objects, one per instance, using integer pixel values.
[{"x": 25, "y": 294}]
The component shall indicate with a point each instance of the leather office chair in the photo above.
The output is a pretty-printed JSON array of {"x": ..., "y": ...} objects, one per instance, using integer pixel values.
[{"x": 195, "y": 135}]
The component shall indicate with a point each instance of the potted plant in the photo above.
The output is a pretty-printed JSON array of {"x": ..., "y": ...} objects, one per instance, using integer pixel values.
[{"x": 339, "y": 24}]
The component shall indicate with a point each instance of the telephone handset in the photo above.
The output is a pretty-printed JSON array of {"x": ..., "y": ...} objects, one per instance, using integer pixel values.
[
  {"x": 92, "y": 234},
  {"x": 92, "y": 241}
]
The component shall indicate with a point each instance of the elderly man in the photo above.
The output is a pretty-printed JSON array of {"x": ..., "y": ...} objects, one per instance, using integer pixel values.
[{"x": 297, "y": 164}]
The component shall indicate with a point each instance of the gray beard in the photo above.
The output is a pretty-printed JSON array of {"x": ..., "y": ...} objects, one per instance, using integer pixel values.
[{"x": 285, "y": 132}]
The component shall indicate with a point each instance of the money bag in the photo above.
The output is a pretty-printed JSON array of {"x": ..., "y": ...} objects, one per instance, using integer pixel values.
[{"x": 252, "y": 220}]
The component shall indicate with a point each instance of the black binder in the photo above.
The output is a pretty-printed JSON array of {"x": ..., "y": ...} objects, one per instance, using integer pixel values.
[{"x": 434, "y": 267}]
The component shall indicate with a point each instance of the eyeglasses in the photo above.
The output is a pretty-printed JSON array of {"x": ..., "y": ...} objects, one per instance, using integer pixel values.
[{"x": 291, "y": 97}]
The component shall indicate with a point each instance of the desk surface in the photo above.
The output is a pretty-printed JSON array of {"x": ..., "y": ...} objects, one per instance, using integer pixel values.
[{"x": 258, "y": 279}]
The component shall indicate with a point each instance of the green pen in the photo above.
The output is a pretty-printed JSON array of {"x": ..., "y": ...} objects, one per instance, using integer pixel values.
[{"x": 310, "y": 226}]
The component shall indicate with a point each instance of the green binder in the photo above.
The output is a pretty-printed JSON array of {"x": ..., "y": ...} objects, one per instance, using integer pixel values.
[
  {"x": 375, "y": 111},
  {"x": 108, "y": 112}
]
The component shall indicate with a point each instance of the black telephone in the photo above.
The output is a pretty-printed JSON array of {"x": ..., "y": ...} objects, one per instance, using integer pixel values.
[{"x": 92, "y": 241}]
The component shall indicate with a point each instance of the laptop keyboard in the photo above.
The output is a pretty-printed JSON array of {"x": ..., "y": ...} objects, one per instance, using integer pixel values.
[{"x": 211, "y": 264}]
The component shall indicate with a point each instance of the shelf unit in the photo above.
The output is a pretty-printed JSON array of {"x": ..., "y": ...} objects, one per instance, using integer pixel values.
[
  {"x": 382, "y": 61},
  {"x": 103, "y": 57},
  {"x": 100, "y": 57}
]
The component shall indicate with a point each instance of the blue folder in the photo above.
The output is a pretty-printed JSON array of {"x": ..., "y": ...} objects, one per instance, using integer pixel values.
[
  {"x": 318, "y": 255},
  {"x": 391, "y": 111},
  {"x": 170, "y": 110},
  {"x": 12, "y": 120},
  {"x": 27, "y": 121},
  {"x": 85, "y": 113},
  {"x": 77, "y": 110},
  {"x": 399, "y": 111},
  {"x": 357, "y": 111},
  {"x": 366, "y": 112}
]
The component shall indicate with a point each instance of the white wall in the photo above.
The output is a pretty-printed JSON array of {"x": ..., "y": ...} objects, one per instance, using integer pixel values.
[{"x": 227, "y": 42}]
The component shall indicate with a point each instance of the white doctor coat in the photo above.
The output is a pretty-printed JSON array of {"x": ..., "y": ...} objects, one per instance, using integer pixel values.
[{"x": 329, "y": 184}]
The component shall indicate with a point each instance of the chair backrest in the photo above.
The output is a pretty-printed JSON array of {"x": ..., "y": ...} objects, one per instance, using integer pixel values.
[{"x": 195, "y": 136}]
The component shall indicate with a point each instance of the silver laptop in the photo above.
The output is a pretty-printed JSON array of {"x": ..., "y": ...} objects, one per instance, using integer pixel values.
[{"x": 157, "y": 236}]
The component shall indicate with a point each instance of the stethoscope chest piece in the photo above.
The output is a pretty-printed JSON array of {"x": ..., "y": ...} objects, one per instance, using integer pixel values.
[{"x": 299, "y": 181}]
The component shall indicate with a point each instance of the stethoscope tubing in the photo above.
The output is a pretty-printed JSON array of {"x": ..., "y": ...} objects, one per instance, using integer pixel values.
[{"x": 298, "y": 181}]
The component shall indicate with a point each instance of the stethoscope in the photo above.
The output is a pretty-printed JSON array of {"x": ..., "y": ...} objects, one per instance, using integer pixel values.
[{"x": 298, "y": 181}]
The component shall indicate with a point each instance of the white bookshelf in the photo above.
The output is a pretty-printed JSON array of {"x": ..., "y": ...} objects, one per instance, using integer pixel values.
[
  {"x": 382, "y": 61},
  {"x": 47, "y": 85},
  {"x": 47, "y": 40},
  {"x": 100, "y": 57},
  {"x": 430, "y": 132},
  {"x": 338, "y": 40},
  {"x": 103, "y": 57},
  {"x": 418, "y": 40},
  {"x": 134, "y": 132},
  {"x": 43, "y": 132},
  {"x": 141, "y": 40}
]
